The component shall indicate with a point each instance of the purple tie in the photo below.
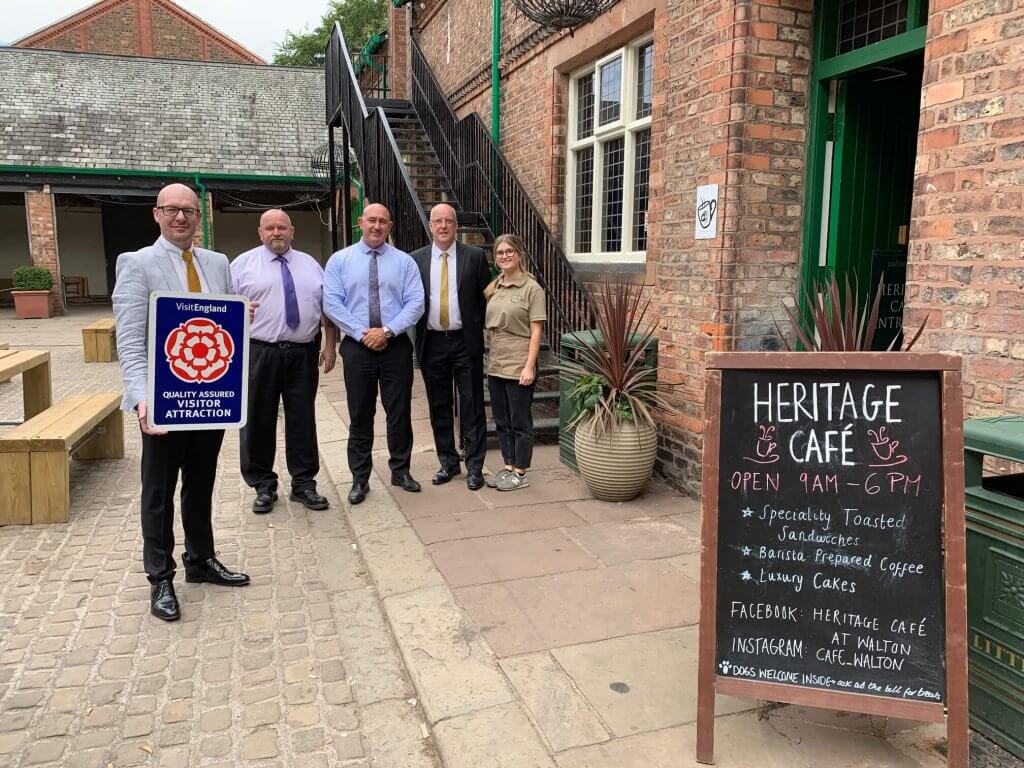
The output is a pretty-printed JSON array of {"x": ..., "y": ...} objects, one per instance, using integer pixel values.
[{"x": 291, "y": 303}]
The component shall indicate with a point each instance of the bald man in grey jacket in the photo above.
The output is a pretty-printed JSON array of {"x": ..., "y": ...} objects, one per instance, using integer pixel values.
[{"x": 171, "y": 263}]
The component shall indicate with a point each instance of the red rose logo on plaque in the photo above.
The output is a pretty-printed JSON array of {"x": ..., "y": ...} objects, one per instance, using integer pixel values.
[{"x": 199, "y": 350}]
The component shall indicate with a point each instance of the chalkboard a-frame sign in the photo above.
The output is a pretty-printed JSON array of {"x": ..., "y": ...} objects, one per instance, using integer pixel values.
[{"x": 833, "y": 564}]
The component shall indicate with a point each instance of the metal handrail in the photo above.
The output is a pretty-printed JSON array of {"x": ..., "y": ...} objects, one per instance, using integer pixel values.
[
  {"x": 482, "y": 180},
  {"x": 383, "y": 172}
]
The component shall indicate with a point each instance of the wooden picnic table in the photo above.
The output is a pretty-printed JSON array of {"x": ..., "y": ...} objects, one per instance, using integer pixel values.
[{"x": 34, "y": 367}]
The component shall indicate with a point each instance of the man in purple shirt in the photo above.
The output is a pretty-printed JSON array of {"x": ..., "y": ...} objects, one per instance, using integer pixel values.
[{"x": 284, "y": 353}]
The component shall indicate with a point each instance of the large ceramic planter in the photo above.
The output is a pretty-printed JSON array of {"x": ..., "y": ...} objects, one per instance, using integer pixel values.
[
  {"x": 31, "y": 305},
  {"x": 617, "y": 465}
]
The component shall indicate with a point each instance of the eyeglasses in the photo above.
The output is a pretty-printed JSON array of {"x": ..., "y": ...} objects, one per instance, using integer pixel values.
[{"x": 172, "y": 212}]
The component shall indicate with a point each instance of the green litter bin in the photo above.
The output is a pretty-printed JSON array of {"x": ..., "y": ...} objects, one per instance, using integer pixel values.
[
  {"x": 570, "y": 352},
  {"x": 995, "y": 581}
]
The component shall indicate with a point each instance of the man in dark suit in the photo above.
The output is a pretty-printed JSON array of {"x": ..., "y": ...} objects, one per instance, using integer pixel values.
[{"x": 450, "y": 344}]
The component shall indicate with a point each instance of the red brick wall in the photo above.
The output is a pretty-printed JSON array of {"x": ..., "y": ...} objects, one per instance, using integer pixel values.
[
  {"x": 398, "y": 53},
  {"x": 138, "y": 28},
  {"x": 731, "y": 83},
  {"x": 172, "y": 39},
  {"x": 42, "y": 239},
  {"x": 966, "y": 266}
]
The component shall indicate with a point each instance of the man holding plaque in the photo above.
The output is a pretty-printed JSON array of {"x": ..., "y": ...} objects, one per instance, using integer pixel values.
[
  {"x": 285, "y": 351},
  {"x": 172, "y": 263}
]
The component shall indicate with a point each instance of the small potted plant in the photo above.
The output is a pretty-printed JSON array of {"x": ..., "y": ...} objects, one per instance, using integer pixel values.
[
  {"x": 614, "y": 393},
  {"x": 31, "y": 291}
]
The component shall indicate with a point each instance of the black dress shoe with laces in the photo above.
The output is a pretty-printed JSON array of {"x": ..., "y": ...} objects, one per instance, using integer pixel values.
[
  {"x": 475, "y": 480},
  {"x": 444, "y": 474},
  {"x": 211, "y": 571},
  {"x": 163, "y": 603},
  {"x": 405, "y": 482},
  {"x": 358, "y": 492},
  {"x": 264, "y": 502},
  {"x": 310, "y": 499}
]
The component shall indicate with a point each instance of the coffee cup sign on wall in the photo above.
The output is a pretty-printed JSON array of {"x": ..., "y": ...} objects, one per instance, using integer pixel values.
[{"x": 706, "y": 218}]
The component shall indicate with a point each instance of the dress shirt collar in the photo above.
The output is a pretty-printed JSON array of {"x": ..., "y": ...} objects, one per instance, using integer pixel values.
[
  {"x": 380, "y": 249},
  {"x": 287, "y": 255},
  {"x": 171, "y": 248},
  {"x": 435, "y": 252}
]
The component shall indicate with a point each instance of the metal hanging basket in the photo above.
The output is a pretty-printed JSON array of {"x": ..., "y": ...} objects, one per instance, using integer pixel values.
[
  {"x": 320, "y": 163},
  {"x": 563, "y": 14}
]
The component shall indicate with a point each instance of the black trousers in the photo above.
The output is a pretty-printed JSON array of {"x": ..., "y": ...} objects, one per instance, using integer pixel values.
[
  {"x": 447, "y": 366},
  {"x": 194, "y": 455},
  {"x": 511, "y": 405},
  {"x": 289, "y": 374},
  {"x": 366, "y": 372}
]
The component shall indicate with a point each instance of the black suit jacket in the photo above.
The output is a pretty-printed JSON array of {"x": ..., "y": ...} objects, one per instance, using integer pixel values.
[{"x": 472, "y": 276}]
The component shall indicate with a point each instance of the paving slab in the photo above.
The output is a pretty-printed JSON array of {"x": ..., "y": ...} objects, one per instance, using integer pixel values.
[
  {"x": 453, "y": 670},
  {"x": 648, "y": 504},
  {"x": 509, "y": 556},
  {"x": 623, "y": 542},
  {"x": 546, "y": 486},
  {"x": 498, "y": 737},
  {"x": 554, "y": 703},
  {"x": 642, "y": 682},
  {"x": 490, "y": 522},
  {"x": 544, "y": 612},
  {"x": 399, "y": 561}
]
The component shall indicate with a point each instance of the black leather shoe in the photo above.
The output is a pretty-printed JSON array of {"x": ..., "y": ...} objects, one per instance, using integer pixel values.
[
  {"x": 264, "y": 502},
  {"x": 163, "y": 603},
  {"x": 475, "y": 480},
  {"x": 310, "y": 499},
  {"x": 406, "y": 482},
  {"x": 213, "y": 572},
  {"x": 358, "y": 492},
  {"x": 444, "y": 474}
]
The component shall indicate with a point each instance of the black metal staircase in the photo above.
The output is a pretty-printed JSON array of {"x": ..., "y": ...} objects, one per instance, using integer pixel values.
[{"x": 415, "y": 154}]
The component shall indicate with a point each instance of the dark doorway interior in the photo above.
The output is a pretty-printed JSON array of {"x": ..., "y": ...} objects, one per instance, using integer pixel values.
[
  {"x": 126, "y": 227},
  {"x": 877, "y": 114}
]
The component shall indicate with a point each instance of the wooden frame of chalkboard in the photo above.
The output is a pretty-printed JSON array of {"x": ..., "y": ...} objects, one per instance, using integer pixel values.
[{"x": 952, "y": 709}]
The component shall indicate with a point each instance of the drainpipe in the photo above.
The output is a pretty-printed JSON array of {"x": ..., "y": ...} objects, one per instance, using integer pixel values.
[
  {"x": 202, "y": 197},
  {"x": 496, "y": 72}
]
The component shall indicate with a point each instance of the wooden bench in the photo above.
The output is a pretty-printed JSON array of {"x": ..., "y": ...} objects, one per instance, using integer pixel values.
[
  {"x": 34, "y": 471},
  {"x": 99, "y": 341}
]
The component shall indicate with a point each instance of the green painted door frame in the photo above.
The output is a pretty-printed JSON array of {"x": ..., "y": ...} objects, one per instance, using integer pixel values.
[{"x": 829, "y": 68}]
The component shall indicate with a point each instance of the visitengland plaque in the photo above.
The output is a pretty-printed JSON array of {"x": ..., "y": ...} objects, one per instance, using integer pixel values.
[
  {"x": 833, "y": 566},
  {"x": 198, "y": 360}
]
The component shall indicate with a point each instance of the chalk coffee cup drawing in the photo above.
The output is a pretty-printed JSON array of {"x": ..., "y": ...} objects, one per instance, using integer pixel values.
[{"x": 706, "y": 212}]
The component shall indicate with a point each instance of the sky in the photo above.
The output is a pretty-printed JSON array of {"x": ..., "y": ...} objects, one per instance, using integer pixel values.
[{"x": 259, "y": 25}]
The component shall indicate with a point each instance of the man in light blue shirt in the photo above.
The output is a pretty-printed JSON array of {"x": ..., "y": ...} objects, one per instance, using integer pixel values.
[{"x": 373, "y": 292}]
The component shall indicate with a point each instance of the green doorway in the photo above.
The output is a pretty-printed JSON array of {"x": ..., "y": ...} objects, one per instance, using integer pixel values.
[{"x": 865, "y": 108}]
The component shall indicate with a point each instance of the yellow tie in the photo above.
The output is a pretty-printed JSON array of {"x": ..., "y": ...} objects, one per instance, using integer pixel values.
[
  {"x": 444, "y": 290},
  {"x": 194, "y": 286}
]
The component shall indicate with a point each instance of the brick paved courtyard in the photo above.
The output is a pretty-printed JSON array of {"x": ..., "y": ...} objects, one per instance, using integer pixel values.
[
  {"x": 262, "y": 675},
  {"x": 381, "y": 635}
]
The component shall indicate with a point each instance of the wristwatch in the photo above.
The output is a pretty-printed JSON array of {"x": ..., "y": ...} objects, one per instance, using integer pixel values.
[{"x": 388, "y": 333}]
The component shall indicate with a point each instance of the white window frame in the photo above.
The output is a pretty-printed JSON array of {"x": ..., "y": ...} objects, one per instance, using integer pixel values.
[{"x": 627, "y": 125}]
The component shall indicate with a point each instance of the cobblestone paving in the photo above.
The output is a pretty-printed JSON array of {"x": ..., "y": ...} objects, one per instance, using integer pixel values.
[{"x": 252, "y": 676}]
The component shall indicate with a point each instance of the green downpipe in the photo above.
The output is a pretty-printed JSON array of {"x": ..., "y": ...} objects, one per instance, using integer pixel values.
[
  {"x": 203, "y": 206},
  {"x": 496, "y": 72},
  {"x": 495, "y": 98}
]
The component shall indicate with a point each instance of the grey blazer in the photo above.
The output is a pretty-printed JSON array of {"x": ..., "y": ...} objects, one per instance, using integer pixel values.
[{"x": 139, "y": 273}]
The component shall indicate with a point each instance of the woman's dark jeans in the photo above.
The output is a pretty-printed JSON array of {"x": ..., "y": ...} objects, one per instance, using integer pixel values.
[{"x": 511, "y": 405}]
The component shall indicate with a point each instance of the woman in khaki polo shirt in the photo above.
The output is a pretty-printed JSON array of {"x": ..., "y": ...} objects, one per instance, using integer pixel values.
[{"x": 514, "y": 321}]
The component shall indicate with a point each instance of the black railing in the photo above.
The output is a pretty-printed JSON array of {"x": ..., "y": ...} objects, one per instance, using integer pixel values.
[
  {"x": 372, "y": 72},
  {"x": 483, "y": 181},
  {"x": 382, "y": 171}
]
